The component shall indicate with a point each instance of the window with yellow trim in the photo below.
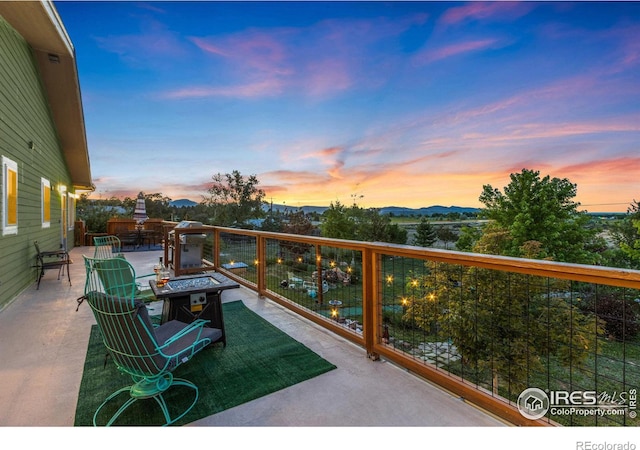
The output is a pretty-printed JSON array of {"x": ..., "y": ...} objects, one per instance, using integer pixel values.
[
  {"x": 46, "y": 202},
  {"x": 9, "y": 196}
]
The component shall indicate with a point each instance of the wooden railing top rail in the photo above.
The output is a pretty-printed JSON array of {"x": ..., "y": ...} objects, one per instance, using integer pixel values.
[
  {"x": 577, "y": 272},
  {"x": 373, "y": 257}
]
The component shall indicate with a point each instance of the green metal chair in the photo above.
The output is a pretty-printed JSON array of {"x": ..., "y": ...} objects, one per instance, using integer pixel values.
[
  {"x": 107, "y": 247},
  {"x": 149, "y": 354},
  {"x": 119, "y": 278}
]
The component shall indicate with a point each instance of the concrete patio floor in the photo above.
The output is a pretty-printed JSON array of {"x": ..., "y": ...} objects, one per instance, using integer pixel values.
[{"x": 43, "y": 341}]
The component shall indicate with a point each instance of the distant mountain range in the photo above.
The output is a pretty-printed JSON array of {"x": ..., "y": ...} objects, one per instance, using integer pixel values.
[
  {"x": 182, "y": 203},
  {"x": 395, "y": 210}
]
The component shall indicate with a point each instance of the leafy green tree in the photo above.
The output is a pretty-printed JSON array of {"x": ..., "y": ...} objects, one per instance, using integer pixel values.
[
  {"x": 468, "y": 238},
  {"x": 96, "y": 212},
  {"x": 633, "y": 251},
  {"x": 505, "y": 325},
  {"x": 375, "y": 227},
  {"x": 446, "y": 235},
  {"x": 297, "y": 223},
  {"x": 156, "y": 205},
  {"x": 626, "y": 234},
  {"x": 272, "y": 223},
  {"x": 426, "y": 234},
  {"x": 508, "y": 324},
  {"x": 396, "y": 234},
  {"x": 356, "y": 223},
  {"x": 543, "y": 210},
  {"x": 234, "y": 199},
  {"x": 338, "y": 222}
]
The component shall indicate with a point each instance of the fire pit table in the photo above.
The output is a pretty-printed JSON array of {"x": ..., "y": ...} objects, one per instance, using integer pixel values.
[{"x": 192, "y": 297}]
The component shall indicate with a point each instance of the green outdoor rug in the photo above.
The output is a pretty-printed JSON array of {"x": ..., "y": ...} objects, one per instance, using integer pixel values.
[{"x": 259, "y": 359}]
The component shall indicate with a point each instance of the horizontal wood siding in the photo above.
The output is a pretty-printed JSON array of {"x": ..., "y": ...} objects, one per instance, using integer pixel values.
[{"x": 25, "y": 117}]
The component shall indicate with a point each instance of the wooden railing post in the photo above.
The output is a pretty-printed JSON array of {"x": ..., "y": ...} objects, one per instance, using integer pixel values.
[
  {"x": 369, "y": 296},
  {"x": 261, "y": 269},
  {"x": 216, "y": 247}
]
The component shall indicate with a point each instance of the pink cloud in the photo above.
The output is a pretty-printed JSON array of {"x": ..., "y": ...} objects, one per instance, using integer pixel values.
[
  {"x": 254, "y": 50},
  {"x": 327, "y": 76},
  {"x": 319, "y": 61},
  {"x": 259, "y": 89},
  {"x": 485, "y": 11},
  {"x": 428, "y": 56},
  {"x": 325, "y": 153},
  {"x": 532, "y": 103},
  {"x": 146, "y": 46},
  {"x": 618, "y": 169},
  {"x": 629, "y": 45}
]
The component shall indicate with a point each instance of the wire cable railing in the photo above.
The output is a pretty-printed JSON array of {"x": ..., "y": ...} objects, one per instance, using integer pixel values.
[{"x": 534, "y": 342}]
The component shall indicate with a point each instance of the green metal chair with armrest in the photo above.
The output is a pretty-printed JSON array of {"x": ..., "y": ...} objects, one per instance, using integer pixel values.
[
  {"x": 149, "y": 354},
  {"x": 107, "y": 247}
]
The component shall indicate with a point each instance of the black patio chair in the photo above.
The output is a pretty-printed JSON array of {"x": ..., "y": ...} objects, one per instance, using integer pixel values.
[{"x": 52, "y": 259}]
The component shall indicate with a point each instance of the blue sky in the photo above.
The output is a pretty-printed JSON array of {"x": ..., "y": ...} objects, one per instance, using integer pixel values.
[{"x": 398, "y": 103}]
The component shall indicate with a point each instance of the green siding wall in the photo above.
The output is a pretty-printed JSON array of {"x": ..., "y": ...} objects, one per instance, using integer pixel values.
[{"x": 25, "y": 117}]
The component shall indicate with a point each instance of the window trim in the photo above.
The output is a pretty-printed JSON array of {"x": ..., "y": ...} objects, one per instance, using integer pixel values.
[
  {"x": 7, "y": 165},
  {"x": 45, "y": 187}
]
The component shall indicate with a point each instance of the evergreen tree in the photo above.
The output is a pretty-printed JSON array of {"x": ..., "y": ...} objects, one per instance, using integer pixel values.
[
  {"x": 338, "y": 222},
  {"x": 426, "y": 234}
]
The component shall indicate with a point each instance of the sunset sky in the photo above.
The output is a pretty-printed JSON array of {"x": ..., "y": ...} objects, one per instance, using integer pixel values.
[{"x": 394, "y": 103}]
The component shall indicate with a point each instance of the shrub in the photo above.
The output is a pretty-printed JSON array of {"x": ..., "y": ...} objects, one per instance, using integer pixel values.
[{"x": 621, "y": 316}]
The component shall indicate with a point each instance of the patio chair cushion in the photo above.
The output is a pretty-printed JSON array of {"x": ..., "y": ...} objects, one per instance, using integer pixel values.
[
  {"x": 148, "y": 340},
  {"x": 181, "y": 347}
]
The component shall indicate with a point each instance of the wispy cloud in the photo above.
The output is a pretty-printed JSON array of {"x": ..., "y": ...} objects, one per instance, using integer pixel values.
[
  {"x": 264, "y": 88},
  {"x": 429, "y": 55},
  {"x": 254, "y": 50},
  {"x": 485, "y": 11},
  {"x": 147, "y": 48},
  {"x": 615, "y": 169},
  {"x": 322, "y": 60},
  {"x": 370, "y": 98}
]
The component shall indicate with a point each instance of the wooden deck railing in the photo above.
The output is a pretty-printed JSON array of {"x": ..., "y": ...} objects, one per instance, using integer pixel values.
[{"x": 373, "y": 294}]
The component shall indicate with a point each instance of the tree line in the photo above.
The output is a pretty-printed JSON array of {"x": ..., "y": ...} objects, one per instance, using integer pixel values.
[{"x": 532, "y": 217}]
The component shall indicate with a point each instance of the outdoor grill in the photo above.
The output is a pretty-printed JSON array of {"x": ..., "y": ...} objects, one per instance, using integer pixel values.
[{"x": 191, "y": 244}]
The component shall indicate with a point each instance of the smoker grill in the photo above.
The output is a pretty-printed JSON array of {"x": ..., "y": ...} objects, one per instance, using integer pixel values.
[{"x": 191, "y": 244}]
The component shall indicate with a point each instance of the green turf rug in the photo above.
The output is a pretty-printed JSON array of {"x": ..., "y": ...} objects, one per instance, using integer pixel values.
[{"x": 259, "y": 359}]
